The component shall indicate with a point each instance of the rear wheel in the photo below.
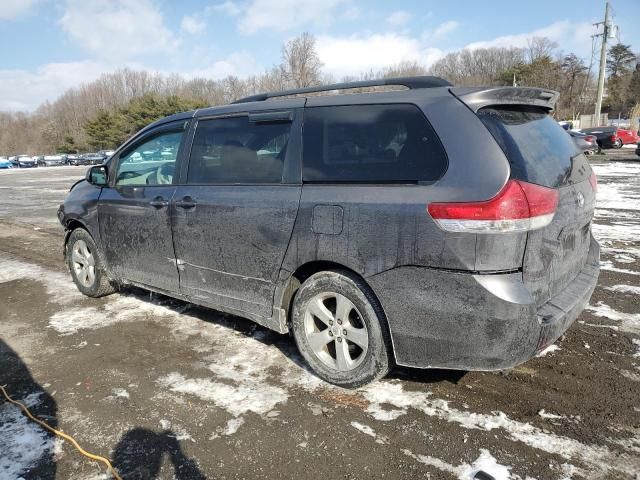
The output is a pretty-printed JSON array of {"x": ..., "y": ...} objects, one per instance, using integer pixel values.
[
  {"x": 85, "y": 265},
  {"x": 340, "y": 329}
]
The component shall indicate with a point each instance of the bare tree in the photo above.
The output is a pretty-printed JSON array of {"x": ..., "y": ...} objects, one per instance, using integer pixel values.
[
  {"x": 301, "y": 66},
  {"x": 539, "y": 47}
]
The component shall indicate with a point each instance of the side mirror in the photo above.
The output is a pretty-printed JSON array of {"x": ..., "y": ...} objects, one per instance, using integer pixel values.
[{"x": 97, "y": 175}]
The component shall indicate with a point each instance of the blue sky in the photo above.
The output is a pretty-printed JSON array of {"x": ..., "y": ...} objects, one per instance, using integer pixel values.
[{"x": 52, "y": 45}]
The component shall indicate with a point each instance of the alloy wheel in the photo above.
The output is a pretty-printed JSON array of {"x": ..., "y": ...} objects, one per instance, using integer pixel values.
[
  {"x": 84, "y": 264},
  {"x": 335, "y": 331}
]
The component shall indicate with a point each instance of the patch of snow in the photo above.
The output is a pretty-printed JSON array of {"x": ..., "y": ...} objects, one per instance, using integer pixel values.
[
  {"x": 59, "y": 286},
  {"x": 120, "y": 308},
  {"x": 629, "y": 322},
  {"x": 630, "y": 375},
  {"x": 367, "y": 430},
  {"x": 550, "y": 349},
  {"x": 608, "y": 265},
  {"x": 232, "y": 426},
  {"x": 622, "y": 258},
  {"x": 484, "y": 463},
  {"x": 544, "y": 414},
  {"x": 616, "y": 169},
  {"x": 246, "y": 396},
  {"x": 616, "y": 231},
  {"x": 633, "y": 289},
  {"x": 636, "y": 342},
  {"x": 120, "y": 393},
  {"x": 598, "y": 458},
  {"x": 178, "y": 432},
  {"x": 606, "y": 213},
  {"x": 23, "y": 443}
]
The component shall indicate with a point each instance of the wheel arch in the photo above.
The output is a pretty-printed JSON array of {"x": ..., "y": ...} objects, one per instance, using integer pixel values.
[{"x": 286, "y": 293}]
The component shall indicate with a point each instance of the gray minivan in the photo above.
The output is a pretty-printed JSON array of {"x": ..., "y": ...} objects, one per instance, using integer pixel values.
[{"x": 431, "y": 226}]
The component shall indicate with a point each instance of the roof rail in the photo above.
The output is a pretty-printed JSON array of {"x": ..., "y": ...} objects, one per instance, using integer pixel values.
[{"x": 410, "y": 82}]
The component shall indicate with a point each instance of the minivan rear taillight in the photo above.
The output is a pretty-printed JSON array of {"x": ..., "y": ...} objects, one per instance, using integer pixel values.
[
  {"x": 520, "y": 206},
  {"x": 593, "y": 181}
]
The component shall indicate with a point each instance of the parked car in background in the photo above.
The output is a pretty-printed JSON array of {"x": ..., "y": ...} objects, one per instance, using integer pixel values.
[
  {"x": 586, "y": 143},
  {"x": 84, "y": 159},
  {"x": 71, "y": 158},
  {"x": 476, "y": 259},
  {"x": 52, "y": 161},
  {"x": 25, "y": 161},
  {"x": 93, "y": 158},
  {"x": 106, "y": 153},
  {"x": 612, "y": 137},
  {"x": 5, "y": 163}
]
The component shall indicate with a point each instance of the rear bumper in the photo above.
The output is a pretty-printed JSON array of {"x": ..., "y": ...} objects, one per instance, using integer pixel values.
[{"x": 441, "y": 319}]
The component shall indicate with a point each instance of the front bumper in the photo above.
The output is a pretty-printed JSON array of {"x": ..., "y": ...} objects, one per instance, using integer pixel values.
[{"x": 444, "y": 319}]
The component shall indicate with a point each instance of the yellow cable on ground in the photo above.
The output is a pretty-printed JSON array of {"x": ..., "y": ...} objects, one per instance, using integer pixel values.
[{"x": 26, "y": 411}]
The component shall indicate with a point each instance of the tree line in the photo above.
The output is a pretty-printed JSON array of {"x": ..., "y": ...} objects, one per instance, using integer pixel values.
[{"x": 103, "y": 113}]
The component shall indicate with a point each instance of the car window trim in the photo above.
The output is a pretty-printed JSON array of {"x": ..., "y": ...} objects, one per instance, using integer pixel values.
[{"x": 114, "y": 163}]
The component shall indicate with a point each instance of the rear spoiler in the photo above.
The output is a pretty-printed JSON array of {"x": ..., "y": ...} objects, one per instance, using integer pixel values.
[{"x": 478, "y": 97}]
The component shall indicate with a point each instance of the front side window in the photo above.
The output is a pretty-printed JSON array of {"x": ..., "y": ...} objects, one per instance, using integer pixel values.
[
  {"x": 371, "y": 144},
  {"x": 150, "y": 163},
  {"x": 236, "y": 150}
]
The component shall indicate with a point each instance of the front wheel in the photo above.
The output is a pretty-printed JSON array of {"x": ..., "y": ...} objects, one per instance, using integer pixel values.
[
  {"x": 617, "y": 143},
  {"x": 340, "y": 329},
  {"x": 86, "y": 266}
]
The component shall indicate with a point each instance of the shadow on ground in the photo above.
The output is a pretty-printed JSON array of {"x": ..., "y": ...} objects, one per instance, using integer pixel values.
[
  {"x": 17, "y": 379},
  {"x": 140, "y": 452}
]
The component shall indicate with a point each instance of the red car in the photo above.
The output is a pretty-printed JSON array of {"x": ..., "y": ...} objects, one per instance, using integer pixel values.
[
  {"x": 624, "y": 137},
  {"x": 612, "y": 137}
]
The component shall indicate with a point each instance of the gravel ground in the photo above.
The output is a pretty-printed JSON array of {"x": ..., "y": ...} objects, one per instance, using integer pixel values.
[{"x": 168, "y": 390}]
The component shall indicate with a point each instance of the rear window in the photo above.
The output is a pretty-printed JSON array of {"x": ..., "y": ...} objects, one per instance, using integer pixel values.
[
  {"x": 371, "y": 144},
  {"x": 538, "y": 149}
]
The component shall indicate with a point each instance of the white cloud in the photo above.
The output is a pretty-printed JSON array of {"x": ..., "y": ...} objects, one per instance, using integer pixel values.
[
  {"x": 356, "y": 54},
  {"x": 283, "y": 15},
  {"x": 12, "y": 9},
  {"x": 117, "y": 30},
  {"x": 572, "y": 37},
  {"x": 228, "y": 7},
  {"x": 21, "y": 90},
  {"x": 192, "y": 25},
  {"x": 399, "y": 18},
  {"x": 239, "y": 64},
  {"x": 445, "y": 27}
]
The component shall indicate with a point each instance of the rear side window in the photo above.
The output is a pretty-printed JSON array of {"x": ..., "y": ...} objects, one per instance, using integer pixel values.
[
  {"x": 538, "y": 149},
  {"x": 238, "y": 150},
  {"x": 371, "y": 144}
]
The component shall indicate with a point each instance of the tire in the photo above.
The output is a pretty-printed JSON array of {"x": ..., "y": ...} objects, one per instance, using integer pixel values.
[
  {"x": 86, "y": 265},
  {"x": 617, "y": 144},
  {"x": 350, "y": 351}
]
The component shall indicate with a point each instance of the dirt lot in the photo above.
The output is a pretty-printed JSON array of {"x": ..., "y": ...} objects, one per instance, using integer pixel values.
[{"x": 168, "y": 390}]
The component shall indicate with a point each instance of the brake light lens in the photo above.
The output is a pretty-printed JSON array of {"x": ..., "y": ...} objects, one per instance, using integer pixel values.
[
  {"x": 593, "y": 180},
  {"x": 519, "y": 207},
  {"x": 614, "y": 137}
]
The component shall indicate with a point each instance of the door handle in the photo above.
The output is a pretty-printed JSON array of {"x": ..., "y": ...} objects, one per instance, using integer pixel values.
[
  {"x": 158, "y": 202},
  {"x": 186, "y": 202}
]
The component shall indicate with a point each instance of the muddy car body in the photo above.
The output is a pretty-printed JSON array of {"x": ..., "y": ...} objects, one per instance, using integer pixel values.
[{"x": 373, "y": 233}]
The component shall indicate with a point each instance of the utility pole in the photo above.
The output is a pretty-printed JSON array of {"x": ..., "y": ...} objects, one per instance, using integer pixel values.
[{"x": 603, "y": 60}]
